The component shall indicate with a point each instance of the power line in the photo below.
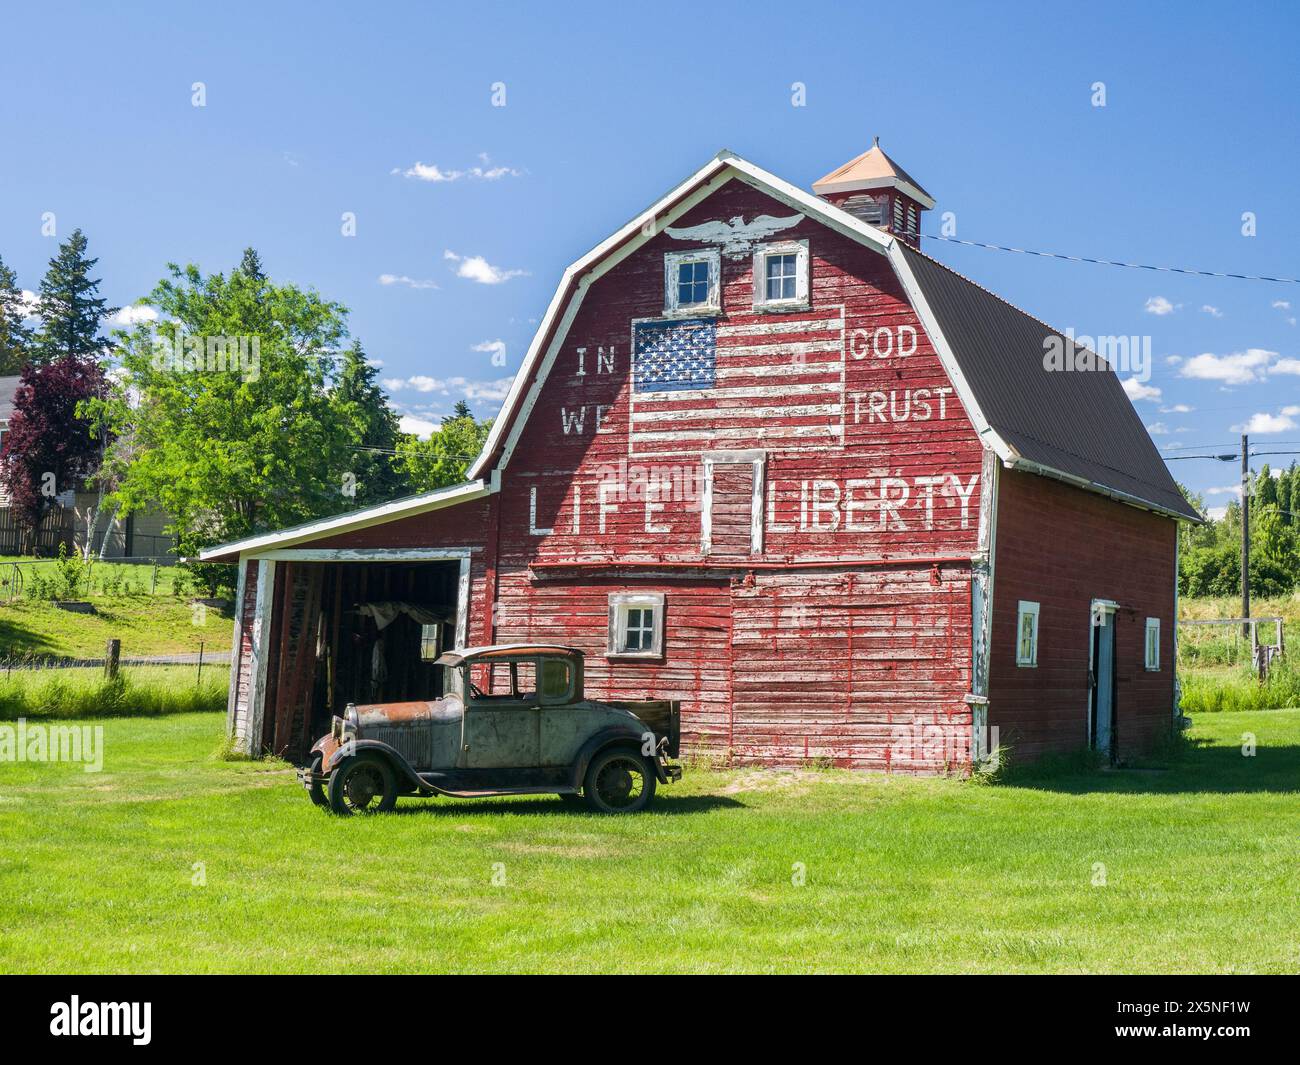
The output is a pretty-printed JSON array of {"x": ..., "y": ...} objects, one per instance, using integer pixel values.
[{"x": 1113, "y": 262}]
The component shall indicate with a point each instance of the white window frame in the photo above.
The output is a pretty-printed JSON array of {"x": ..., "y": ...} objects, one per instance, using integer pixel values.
[
  {"x": 1151, "y": 661},
  {"x": 713, "y": 304},
  {"x": 1027, "y": 609},
  {"x": 797, "y": 248},
  {"x": 619, "y": 605}
]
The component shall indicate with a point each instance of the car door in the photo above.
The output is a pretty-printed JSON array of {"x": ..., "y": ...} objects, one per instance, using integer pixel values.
[
  {"x": 502, "y": 729},
  {"x": 565, "y": 721}
]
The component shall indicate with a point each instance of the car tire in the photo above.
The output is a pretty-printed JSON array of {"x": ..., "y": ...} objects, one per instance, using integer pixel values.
[
  {"x": 619, "y": 780},
  {"x": 362, "y": 784},
  {"x": 317, "y": 791}
]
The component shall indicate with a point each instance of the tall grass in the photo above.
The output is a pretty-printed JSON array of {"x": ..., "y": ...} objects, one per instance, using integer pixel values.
[
  {"x": 1240, "y": 689},
  {"x": 82, "y": 693}
]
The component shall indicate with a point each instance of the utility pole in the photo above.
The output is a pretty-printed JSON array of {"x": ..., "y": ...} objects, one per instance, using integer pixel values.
[{"x": 1245, "y": 534}]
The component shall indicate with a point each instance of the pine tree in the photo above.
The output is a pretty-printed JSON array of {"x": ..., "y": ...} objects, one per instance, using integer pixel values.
[
  {"x": 363, "y": 406},
  {"x": 460, "y": 410},
  {"x": 15, "y": 336},
  {"x": 71, "y": 308}
]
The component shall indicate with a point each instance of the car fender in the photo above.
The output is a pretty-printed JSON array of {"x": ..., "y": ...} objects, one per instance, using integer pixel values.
[
  {"x": 398, "y": 760},
  {"x": 620, "y": 735}
]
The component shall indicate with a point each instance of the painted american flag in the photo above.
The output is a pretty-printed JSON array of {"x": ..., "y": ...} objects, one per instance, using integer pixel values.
[{"x": 769, "y": 381}]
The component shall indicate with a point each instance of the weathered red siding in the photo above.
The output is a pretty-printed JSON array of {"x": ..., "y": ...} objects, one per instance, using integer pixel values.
[{"x": 1062, "y": 548}]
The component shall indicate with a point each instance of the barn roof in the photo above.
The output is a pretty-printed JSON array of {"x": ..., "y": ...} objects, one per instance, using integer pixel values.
[{"x": 1079, "y": 423}]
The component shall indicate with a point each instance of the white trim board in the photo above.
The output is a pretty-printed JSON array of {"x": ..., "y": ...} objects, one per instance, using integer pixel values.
[{"x": 352, "y": 520}]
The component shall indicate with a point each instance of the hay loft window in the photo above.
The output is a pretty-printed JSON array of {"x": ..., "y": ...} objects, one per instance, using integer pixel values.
[
  {"x": 1153, "y": 644},
  {"x": 636, "y": 625},
  {"x": 1027, "y": 634},
  {"x": 781, "y": 276},
  {"x": 691, "y": 282}
]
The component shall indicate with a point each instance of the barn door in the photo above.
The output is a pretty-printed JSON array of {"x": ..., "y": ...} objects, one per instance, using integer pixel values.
[
  {"x": 731, "y": 514},
  {"x": 1102, "y": 679}
]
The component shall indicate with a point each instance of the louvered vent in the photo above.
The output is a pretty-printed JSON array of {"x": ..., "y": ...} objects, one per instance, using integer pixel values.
[{"x": 866, "y": 208}]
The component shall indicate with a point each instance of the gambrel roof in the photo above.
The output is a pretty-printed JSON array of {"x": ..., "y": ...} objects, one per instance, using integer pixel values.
[{"x": 1078, "y": 426}]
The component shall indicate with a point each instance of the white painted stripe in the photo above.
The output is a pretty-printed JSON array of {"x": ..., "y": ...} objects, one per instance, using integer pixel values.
[
  {"x": 772, "y": 432},
  {"x": 789, "y": 348},
  {"x": 779, "y": 325},
  {"x": 737, "y": 393},
  {"x": 793, "y": 370},
  {"x": 803, "y": 410}
]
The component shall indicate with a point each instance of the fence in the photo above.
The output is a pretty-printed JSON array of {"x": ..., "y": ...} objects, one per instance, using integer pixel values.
[
  {"x": 1232, "y": 641},
  {"x": 55, "y": 528},
  {"x": 156, "y": 575}
]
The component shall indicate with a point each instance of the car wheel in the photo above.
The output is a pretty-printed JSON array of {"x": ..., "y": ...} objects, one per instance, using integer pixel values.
[
  {"x": 317, "y": 791},
  {"x": 619, "y": 781},
  {"x": 363, "y": 784}
]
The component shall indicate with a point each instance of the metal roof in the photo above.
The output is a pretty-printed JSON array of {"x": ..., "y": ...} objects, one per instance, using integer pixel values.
[
  {"x": 1080, "y": 423},
  {"x": 873, "y": 169}
]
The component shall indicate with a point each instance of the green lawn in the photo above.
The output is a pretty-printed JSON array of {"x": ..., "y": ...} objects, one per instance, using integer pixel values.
[
  {"x": 902, "y": 875},
  {"x": 146, "y": 625}
]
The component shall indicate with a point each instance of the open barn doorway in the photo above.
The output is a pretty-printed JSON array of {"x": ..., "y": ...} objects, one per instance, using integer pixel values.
[{"x": 356, "y": 630}]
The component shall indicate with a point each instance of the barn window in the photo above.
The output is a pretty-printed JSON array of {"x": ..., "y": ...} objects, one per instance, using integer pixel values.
[
  {"x": 691, "y": 282},
  {"x": 1027, "y": 634},
  {"x": 1153, "y": 644},
  {"x": 781, "y": 276},
  {"x": 430, "y": 642},
  {"x": 636, "y": 625}
]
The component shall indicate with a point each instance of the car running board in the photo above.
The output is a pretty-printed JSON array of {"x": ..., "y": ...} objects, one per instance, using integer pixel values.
[{"x": 490, "y": 792}]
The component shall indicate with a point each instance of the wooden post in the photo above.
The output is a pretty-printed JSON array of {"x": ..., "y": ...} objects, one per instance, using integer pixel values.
[
  {"x": 198, "y": 680},
  {"x": 153, "y": 580},
  {"x": 111, "y": 656}
]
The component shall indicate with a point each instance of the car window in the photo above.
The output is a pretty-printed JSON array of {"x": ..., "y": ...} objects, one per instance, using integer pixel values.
[{"x": 557, "y": 679}]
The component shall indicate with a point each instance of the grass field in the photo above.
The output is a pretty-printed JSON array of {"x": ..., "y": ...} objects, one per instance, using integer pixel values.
[
  {"x": 138, "y": 691},
  {"x": 146, "y": 625},
  {"x": 100, "y": 872}
]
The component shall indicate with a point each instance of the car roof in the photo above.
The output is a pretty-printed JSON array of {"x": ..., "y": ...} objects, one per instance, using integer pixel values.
[{"x": 503, "y": 650}]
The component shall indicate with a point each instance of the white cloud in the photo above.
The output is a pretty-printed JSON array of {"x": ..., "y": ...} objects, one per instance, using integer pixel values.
[
  {"x": 477, "y": 268},
  {"x": 134, "y": 315},
  {"x": 1266, "y": 423},
  {"x": 30, "y": 303},
  {"x": 433, "y": 172},
  {"x": 1282, "y": 305},
  {"x": 1239, "y": 368},
  {"x": 1158, "y": 429},
  {"x": 421, "y": 427},
  {"x": 1211, "y": 310},
  {"x": 1216, "y": 513},
  {"x": 1173, "y": 360},
  {"x": 1161, "y": 306},
  {"x": 495, "y": 348},
  {"x": 1291, "y": 366},
  {"x": 1177, "y": 408},
  {"x": 1136, "y": 390},
  {"x": 409, "y": 282},
  {"x": 1291, "y": 412},
  {"x": 494, "y": 391},
  {"x": 1225, "y": 490}
]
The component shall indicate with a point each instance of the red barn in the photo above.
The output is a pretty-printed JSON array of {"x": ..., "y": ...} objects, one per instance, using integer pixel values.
[{"x": 766, "y": 457}]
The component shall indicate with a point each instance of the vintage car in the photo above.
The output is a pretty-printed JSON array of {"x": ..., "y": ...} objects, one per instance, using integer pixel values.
[{"x": 527, "y": 730}]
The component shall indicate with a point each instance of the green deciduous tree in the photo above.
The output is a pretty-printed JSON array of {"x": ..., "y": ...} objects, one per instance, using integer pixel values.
[
  {"x": 226, "y": 416},
  {"x": 444, "y": 458},
  {"x": 70, "y": 307}
]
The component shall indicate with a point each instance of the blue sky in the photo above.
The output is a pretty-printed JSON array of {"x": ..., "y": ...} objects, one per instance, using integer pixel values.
[{"x": 313, "y": 110}]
